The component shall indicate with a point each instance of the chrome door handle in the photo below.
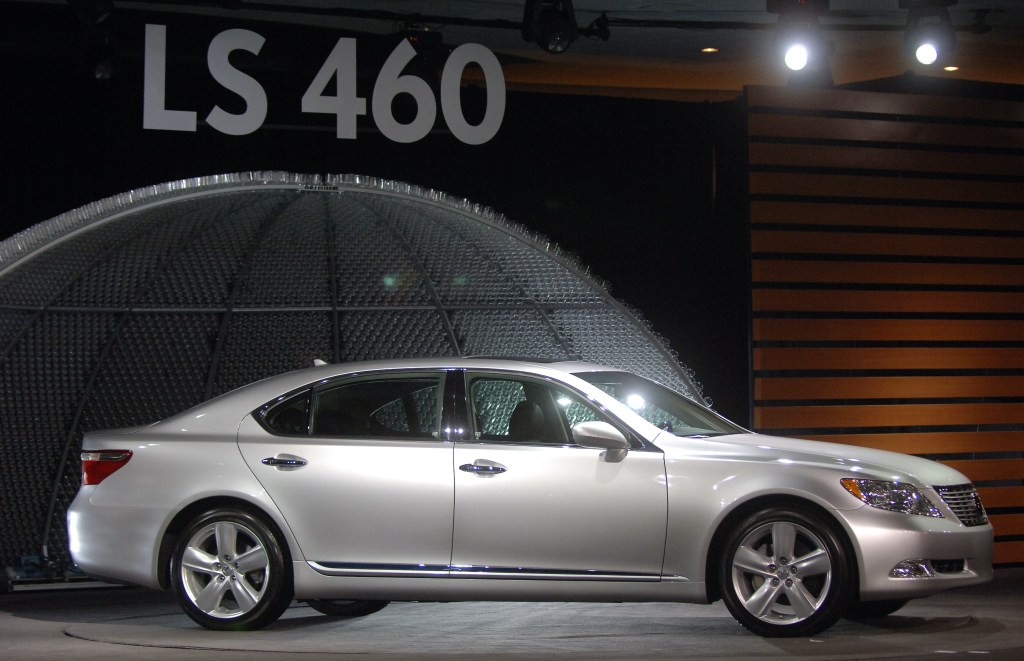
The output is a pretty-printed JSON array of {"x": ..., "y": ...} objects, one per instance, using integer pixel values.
[
  {"x": 482, "y": 469},
  {"x": 286, "y": 461}
]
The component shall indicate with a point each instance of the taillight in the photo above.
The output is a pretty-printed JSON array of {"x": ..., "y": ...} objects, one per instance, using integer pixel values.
[{"x": 98, "y": 465}]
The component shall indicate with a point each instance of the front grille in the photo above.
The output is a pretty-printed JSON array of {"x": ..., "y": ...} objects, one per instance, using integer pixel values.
[{"x": 964, "y": 501}]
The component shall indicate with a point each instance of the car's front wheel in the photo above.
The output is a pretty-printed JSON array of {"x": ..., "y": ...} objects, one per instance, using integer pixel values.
[
  {"x": 785, "y": 572},
  {"x": 229, "y": 571}
]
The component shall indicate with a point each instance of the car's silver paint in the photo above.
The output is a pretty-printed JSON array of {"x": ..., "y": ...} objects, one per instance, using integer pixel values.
[
  {"x": 883, "y": 539},
  {"x": 722, "y": 474},
  {"x": 117, "y": 529},
  {"x": 560, "y": 508},
  {"x": 376, "y": 501}
]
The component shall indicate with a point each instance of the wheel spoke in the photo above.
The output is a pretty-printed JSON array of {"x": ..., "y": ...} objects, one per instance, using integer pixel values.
[
  {"x": 198, "y": 560},
  {"x": 762, "y": 601},
  {"x": 803, "y": 602},
  {"x": 252, "y": 560},
  {"x": 814, "y": 563},
  {"x": 783, "y": 540},
  {"x": 246, "y": 595},
  {"x": 210, "y": 598},
  {"x": 749, "y": 560},
  {"x": 227, "y": 538}
]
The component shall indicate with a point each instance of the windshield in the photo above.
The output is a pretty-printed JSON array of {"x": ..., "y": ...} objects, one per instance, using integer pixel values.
[{"x": 661, "y": 406}]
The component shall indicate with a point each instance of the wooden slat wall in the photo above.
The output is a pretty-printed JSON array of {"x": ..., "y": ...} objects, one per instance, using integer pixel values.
[{"x": 887, "y": 275}]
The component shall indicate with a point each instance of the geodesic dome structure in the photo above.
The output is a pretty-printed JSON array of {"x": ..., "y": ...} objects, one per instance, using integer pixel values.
[{"x": 144, "y": 304}]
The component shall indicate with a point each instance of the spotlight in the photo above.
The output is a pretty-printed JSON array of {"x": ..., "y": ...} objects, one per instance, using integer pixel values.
[
  {"x": 796, "y": 57},
  {"x": 551, "y": 24},
  {"x": 798, "y": 39},
  {"x": 929, "y": 34},
  {"x": 926, "y": 53}
]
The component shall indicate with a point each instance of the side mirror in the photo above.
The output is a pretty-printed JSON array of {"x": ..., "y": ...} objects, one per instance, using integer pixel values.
[{"x": 596, "y": 434}]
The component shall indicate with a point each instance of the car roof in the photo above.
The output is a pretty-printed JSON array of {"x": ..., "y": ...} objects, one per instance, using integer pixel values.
[
  {"x": 474, "y": 362},
  {"x": 232, "y": 405}
]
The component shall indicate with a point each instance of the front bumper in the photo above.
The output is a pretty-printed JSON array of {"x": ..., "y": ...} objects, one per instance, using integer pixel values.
[{"x": 951, "y": 554}]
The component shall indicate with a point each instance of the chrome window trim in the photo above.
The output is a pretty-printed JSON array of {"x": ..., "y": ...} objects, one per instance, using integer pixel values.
[{"x": 313, "y": 387}]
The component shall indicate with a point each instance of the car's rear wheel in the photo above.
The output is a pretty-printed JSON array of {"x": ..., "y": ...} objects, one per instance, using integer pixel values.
[
  {"x": 785, "y": 572},
  {"x": 229, "y": 571},
  {"x": 343, "y": 608}
]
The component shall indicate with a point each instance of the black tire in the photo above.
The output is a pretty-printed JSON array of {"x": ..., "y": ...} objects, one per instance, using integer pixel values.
[
  {"x": 785, "y": 572},
  {"x": 866, "y": 610},
  {"x": 229, "y": 571},
  {"x": 343, "y": 608}
]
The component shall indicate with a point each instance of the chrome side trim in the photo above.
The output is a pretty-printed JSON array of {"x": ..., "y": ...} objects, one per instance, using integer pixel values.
[
  {"x": 470, "y": 571},
  {"x": 378, "y": 570},
  {"x": 522, "y": 573},
  {"x": 674, "y": 579}
]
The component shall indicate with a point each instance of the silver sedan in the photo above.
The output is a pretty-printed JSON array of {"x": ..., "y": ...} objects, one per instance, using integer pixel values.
[{"x": 349, "y": 486}]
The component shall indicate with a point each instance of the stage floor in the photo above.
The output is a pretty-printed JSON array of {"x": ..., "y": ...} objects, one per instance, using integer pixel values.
[{"x": 126, "y": 623}]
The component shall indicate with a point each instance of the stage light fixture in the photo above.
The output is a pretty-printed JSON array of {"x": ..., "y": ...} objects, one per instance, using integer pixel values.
[
  {"x": 598, "y": 29},
  {"x": 551, "y": 24},
  {"x": 799, "y": 42},
  {"x": 796, "y": 57},
  {"x": 929, "y": 34},
  {"x": 798, "y": 39}
]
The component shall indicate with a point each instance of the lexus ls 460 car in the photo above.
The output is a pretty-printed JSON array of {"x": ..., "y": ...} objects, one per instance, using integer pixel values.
[{"x": 349, "y": 486}]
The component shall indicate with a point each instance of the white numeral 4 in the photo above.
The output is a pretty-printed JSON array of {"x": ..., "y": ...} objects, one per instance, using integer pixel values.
[{"x": 344, "y": 105}]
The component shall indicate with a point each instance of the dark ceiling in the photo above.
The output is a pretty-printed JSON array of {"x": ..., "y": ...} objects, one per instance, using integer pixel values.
[{"x": 655, "y": 47}]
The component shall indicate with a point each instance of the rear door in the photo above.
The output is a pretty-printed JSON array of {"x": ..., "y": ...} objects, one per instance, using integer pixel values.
[{"x": 360, "y": 471}]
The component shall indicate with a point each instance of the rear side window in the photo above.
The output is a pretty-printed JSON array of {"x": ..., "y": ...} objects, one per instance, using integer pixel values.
[
  {"x": 289, "y": 417},
  {"x": 395, "y": 406}
]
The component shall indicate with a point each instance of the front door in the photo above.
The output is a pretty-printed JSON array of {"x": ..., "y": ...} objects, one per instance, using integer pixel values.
[{"x": 531, "y": 503}]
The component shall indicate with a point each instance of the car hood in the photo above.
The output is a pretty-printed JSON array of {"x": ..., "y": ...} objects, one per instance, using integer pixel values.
[{"x": 867, "y": 463}]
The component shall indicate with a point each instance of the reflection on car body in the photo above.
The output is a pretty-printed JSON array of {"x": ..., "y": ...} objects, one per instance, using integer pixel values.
[{"x": 349, "y": 486}]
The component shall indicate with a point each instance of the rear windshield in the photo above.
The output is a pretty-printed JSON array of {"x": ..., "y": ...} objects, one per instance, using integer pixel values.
[{"x": 661, "y": 406}]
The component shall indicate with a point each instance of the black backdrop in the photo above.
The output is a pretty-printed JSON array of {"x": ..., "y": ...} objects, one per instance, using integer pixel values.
[{"x": 648, "y": 194}]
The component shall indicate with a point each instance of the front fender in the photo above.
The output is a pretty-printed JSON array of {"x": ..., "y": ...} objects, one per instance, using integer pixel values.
[{"x": 704, "y": 493}]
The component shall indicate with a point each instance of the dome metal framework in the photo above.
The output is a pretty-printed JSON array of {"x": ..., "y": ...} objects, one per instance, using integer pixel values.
[{"x": 143, "y": 304}]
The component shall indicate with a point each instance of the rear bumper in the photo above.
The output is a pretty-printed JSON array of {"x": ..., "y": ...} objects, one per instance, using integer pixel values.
[{"x": 114, "y": 544}]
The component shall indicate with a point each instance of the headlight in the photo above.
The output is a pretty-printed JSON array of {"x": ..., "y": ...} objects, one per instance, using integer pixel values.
[{"x": 891, "y": 496}]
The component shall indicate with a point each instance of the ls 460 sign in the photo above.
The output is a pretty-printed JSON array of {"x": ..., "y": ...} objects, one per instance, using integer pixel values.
[{"x": 338, "y": 73}]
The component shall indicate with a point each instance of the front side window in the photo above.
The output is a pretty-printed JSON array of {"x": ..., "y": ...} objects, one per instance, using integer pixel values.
[
  {"x": 661, "y": 406},
  {"x": 393, "y": 406},
  {"x": 510, "y": 409}
]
